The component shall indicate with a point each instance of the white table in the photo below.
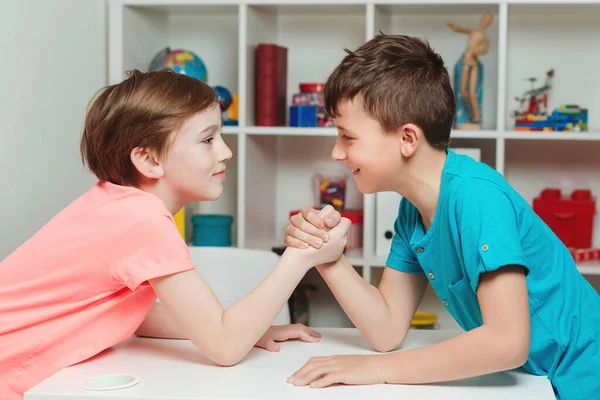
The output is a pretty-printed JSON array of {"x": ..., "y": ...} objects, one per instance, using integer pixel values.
[{"x": 174, "y": 369}]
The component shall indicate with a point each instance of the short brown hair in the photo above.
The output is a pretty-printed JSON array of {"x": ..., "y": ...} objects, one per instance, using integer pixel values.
[
  {"x": 400, "y": 80},
  {"x": 141, "y": 111}
]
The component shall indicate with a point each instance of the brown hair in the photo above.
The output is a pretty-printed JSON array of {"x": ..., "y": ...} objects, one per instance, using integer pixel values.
[
  {"x": 400, "y": 80},
  {"x": 141, "y": 111}
]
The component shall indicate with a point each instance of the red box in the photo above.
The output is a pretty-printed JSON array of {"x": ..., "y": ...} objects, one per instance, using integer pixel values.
[
  {"x": 355, "y": 233},
  {"x": 580, "y": 255},
  {"x": 570, "y": 218}
]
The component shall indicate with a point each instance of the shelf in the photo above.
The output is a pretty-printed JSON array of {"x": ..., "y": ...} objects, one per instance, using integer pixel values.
[
  {"x": 456, "y": 134},
  {"x": 231, "y": 130},
  {"x": 447, "y": 8},
  {"x": 589, "y": 267},
  {"x": 524, "y": 135},
  {"x": 485, "y": 134},
  {"x": 290, "y": 131},
  {"x": 355, "y": 257},
  {"x": 186, "y": 7}
]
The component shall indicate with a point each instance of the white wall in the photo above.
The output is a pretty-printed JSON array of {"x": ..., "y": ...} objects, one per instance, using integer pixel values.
[{"x": 53, "y": 60}]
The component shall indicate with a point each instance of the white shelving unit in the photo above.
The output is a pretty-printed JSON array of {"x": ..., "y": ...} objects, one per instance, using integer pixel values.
[{"x": 272, "y": 169}]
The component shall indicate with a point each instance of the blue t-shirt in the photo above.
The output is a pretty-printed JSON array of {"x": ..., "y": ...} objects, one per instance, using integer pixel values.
[{"x": 482, "y": 224}]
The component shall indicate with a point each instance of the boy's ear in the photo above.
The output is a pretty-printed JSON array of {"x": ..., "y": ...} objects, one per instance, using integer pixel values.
[
  {"x": 147, "y": 163},
  {"x": 410, "y": 136}
]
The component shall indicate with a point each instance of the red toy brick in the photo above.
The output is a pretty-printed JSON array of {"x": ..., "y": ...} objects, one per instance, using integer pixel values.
[{"x": 570, "y": 218}]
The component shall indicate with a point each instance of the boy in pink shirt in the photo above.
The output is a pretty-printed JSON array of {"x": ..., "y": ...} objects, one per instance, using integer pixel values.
[{"x": 90, "y": 277}]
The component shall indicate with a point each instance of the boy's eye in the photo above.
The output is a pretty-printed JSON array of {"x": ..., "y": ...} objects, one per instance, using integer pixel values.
[
  {"x": 345, "y": 137},
  {"x": 208, "y": 141}
]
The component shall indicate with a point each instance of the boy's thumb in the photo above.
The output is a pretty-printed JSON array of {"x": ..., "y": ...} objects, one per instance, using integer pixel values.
[
  {"x": 344, "y": 225},
  {"x": 271, "y": 345}
]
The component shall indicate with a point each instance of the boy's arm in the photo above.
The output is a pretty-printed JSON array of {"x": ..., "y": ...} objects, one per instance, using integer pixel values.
[
  {"x": 159, "y": 324},
  {"x": 225, "y": 336},
  {"x": 500, "y": 344},
  {"x": 383, "y": 315}
]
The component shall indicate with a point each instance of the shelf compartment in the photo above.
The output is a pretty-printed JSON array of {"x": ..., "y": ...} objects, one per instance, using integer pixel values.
[
  {"x": 145, "y": 28},
  {"x": 315, "y": 36},
  {"x": 430, "y": 21},
  {"x": 535, "y": 31}
]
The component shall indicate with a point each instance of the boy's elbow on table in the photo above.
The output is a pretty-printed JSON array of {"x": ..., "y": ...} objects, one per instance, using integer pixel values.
[
  {"x": 387, "y": 343},
  {"x": 512, "y": 349},
  {"x": 517, "y": 351},
  {"x": 223, "y": 356}
]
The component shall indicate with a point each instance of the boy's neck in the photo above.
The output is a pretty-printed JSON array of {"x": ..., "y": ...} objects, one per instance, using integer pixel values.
[
  {"x": 424, "y": 177},
  {"x": 165, "y": 195}
]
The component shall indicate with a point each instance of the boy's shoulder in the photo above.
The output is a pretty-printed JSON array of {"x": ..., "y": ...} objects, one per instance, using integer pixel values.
[
  {"x": 130, "y": 204},
  {"x": 466, "y": 176},
  {"x": 473, "y": 184},
  {"x": 108, "y": 208}
]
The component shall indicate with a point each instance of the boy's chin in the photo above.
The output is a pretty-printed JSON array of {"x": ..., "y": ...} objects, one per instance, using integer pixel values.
[
  {"x": 367, "y": 189},
  {"x": 213, "y": 195}
]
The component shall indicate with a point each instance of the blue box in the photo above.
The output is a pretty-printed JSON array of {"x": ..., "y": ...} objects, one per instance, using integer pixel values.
[
  {"x": 212, "y": 230},
  {"x": 303, "y": 116}
]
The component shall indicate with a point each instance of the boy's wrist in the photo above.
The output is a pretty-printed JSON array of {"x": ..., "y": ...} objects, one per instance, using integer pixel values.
[
  {"x": 390, "y": 367},
  {"x": 298, "y": 258}
]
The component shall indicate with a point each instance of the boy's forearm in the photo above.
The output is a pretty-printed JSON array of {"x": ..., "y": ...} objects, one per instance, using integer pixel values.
[
  {"x": 361, "y": 301},
  {"x": 474, "y": 353},
  {"x": 244, "y": 323}
]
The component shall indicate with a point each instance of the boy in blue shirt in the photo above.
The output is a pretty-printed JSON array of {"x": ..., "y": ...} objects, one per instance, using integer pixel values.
[{"x": 504, "y": 276}]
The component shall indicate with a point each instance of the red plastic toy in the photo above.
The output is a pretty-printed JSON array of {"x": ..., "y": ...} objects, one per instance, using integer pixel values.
[{"x": 570, "y": 218}]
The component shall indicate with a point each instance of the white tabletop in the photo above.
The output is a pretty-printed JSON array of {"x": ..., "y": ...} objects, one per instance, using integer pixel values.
[{"x": 174, "y": 369}]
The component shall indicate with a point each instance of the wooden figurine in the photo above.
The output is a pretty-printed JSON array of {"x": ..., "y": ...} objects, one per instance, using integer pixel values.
[{"x": 468, "y": 76}]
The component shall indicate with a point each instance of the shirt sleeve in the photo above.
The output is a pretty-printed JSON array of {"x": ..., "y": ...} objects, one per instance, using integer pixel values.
[
  {"x": 150, "y": 249},
  {"x": 488, "y": 226},
  {"x": 401, "y": 258}
]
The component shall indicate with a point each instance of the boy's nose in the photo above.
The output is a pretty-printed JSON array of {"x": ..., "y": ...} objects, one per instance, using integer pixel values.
[
  {"x": 338, "y": 153},
  {"x": 225, "y": 154}
]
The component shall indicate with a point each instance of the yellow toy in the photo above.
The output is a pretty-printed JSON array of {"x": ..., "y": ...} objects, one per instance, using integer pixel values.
[{"x": 180, "y": 221}]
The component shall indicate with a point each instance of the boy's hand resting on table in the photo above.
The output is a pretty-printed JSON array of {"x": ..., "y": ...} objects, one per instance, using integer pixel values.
[
  {"x": 310, "y": 227},
  {"x": 282, "y": 333},
  {"x": 320, "y": 372},
  {"x": 330, "y": 247}
]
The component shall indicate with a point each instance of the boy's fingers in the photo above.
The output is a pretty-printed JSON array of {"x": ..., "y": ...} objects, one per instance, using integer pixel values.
[
  {"x": 330, "y": 216},
  {"x": 311, "y": 215},
  {"x": 289, "y": 241},
  {"x": 307, "y": 227},
  {"x": 270, "y": 345},
  {"x": 299, "y": 234},
  {"x": 312, "y": 332},
  {"x": 307, "y": 337},
  {"x": 344, "y": 225},
  {"x": 333, "y": 219}
]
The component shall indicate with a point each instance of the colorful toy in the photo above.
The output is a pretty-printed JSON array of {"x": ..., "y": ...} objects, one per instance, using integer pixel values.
[
  {"x": 226, "y": 102},
  {"x": 468, "y": 76},
  {"x": 310, "y": 95},
  {"x": 331, "y": 190},
  {"x": 181, "y": 61},
  {"x": 565, "y": 118},
  {"x": 536, "y": 98},
  {"x": 225, "y": 98},
  {"x": 303, "y": 116}
]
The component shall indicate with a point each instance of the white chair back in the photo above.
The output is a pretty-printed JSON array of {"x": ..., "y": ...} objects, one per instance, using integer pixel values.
[{"x": 233, "y": 272}]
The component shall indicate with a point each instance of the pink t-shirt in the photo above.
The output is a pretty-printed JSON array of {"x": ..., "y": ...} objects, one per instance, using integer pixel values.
[{"x": 79, "y": 285}]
